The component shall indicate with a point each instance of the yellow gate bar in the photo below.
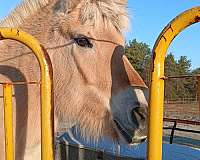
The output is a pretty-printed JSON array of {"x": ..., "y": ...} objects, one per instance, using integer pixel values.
[
  {"x": 156, "y": 101},
  {"x": 8, "y": 121},
  {"x": 47, "y": 112}
]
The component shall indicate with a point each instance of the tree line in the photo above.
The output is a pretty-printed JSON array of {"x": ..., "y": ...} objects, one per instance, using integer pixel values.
[{"x": 139, "y": 54}]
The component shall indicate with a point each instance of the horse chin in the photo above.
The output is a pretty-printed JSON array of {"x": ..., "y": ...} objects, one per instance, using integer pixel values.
[{"x": 124, "y": 136}]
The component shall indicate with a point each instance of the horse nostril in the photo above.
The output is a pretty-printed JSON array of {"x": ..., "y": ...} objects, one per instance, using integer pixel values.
[{"x": 139, "y": 115}]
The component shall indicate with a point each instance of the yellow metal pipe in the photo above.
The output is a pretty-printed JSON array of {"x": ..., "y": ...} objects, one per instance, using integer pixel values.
[
  {"x": 47, "y": 112},
  {"x": 156, "y": 101},
  {"x": 8, "y": 121}
]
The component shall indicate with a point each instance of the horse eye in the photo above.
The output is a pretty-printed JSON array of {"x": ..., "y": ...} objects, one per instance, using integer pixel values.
[{"x": 83, "y": 42}]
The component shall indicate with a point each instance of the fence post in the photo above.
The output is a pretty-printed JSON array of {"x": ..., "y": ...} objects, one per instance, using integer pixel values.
[
  {"x": 8, "y": 121},
  {"x": 156, "y": 100},
  {"x": 198, "y": 91},
  {"x": 46, "y": 87}
]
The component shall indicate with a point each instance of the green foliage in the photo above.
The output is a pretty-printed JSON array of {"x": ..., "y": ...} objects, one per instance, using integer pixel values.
[
  {"x": 139, "y": 54},
  {"x": 178, "y": 88},
  {"x": 196, "y": 71},
  {"x": 183, "y": 65}
]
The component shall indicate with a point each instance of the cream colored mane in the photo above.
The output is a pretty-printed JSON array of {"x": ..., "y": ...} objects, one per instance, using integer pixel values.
[{"x": 112, "y": 11}]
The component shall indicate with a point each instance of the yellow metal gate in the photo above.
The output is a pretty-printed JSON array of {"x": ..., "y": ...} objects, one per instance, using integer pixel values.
[
  {"x": 156, "y": 101},
  {"x": 46, "y": 86},
  {"x": 182, "y": 21}
]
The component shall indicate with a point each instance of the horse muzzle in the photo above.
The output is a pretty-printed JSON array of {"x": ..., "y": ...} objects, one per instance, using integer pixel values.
[{"x": 136, "y": 130}]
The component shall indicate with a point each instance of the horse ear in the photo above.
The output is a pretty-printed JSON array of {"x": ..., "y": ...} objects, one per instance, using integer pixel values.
[
  {"x": 65, "y": 6},
  {"x": 133, "y": 76}
]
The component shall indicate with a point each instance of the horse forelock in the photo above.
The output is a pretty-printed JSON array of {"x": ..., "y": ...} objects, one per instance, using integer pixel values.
[
  {"x": 110, "y": 11},
  {"x": 91, "y": 11}
]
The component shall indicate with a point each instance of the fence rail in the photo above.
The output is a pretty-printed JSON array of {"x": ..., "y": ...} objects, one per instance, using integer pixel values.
[
  {"x": 181, "y": 101},
  {"x": 175, "y": 128},
  {"x": 73, "y": 152}
]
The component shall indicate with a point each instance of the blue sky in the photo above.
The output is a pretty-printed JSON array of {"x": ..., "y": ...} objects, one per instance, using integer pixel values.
[{"x": 148, "y": 18}]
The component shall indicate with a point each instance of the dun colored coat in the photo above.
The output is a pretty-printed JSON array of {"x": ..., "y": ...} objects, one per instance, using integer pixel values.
[{"x": 95, "y": 87}]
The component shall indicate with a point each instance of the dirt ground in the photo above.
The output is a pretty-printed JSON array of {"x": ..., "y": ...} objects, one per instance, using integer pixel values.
[{"x": 187, "y": 111}]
